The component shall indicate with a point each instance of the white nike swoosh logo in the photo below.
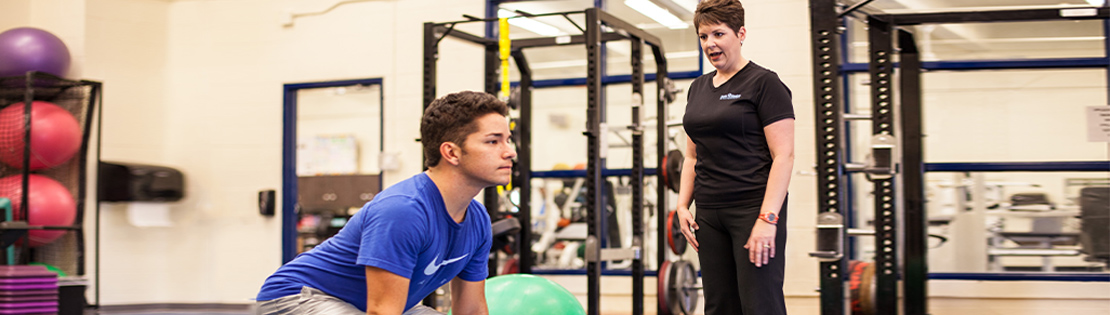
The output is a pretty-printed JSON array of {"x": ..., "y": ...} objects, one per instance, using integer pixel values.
[{"x": 433, "y": 266}]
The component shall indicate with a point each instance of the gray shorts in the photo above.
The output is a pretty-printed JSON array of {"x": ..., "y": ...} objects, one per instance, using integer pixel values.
[{"x": 315, "y": 302}]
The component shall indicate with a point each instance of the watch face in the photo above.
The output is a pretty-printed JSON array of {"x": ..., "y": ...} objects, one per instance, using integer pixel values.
[{"x": 772, "y": 217}]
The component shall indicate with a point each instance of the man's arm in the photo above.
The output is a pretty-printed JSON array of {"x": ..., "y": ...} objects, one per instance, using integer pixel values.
[
  {"x": 468, "y": 297},
  {"x": 386, "y": 292}
]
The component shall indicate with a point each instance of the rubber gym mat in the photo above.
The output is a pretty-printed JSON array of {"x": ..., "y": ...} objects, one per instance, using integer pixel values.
[
  {"x": 23, "y": 271},
  {"x": 53, "y": 292},
  {"x": 28, "y": 286},
  {"x": 28, "y": 298}
]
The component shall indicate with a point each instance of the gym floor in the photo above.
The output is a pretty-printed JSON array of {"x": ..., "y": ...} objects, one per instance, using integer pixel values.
[{"x": 172, "y": 309}]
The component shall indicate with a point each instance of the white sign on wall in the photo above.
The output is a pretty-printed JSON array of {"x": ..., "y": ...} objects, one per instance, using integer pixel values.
[{"x": 1098, "y": 123}]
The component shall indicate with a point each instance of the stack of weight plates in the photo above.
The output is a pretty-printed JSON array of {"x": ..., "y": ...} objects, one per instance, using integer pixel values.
[{"x": 28, "y": 290}]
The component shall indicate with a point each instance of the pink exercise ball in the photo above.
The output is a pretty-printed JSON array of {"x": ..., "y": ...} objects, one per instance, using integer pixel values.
[
  {"x": 55, "y": 135},
  {"x": 50, "y": 203}
]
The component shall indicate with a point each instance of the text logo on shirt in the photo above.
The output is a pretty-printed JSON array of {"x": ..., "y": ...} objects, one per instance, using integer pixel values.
[
  {"x": 730, "y": 96},
  {"x": 433, "y": 266}
]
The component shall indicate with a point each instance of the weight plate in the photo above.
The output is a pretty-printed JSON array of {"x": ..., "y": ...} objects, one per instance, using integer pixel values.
[
  {"x": 666, "y": 180},
  {"x": 511, "y": 266},
  {"x": 674, "y": 169},
  {"x": 855, "y": 271},
  {"x": 683, "y": 281},
  {"x": 663, "y": 292},
  {"x": 675, "y": 240},
  {"x": 867, "y": 289}
]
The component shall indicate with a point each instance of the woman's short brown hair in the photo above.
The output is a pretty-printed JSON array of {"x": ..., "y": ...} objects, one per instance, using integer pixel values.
[{"x": 709, "y": 12}]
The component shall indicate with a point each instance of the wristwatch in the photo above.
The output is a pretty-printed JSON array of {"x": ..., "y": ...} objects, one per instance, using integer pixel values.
[{"x": 769, "y": 217}]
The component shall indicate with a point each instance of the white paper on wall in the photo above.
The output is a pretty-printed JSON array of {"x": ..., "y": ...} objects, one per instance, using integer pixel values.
[
  {"x": 149, "y": 214},
  {"x": 327, "y": 155},
  {"x": 1098, "y": 123}
]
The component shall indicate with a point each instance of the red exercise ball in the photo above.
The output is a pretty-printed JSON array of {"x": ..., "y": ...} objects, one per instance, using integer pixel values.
[
  {"x": 50, "y": 204},
  {"x": 55, "y": 135}
]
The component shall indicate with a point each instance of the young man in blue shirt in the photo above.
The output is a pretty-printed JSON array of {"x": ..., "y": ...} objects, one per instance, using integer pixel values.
[{"x": 416, "y": 235}]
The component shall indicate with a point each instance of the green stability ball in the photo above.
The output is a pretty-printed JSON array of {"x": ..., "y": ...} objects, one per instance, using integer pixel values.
[{"x": 524, "y": 294}]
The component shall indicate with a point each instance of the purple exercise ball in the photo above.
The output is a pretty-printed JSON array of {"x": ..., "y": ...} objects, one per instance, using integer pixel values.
[{"x": 30, "y": 49}]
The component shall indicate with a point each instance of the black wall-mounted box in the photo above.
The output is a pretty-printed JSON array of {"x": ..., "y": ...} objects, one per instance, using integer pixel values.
[{"x": 137, "y": 182}]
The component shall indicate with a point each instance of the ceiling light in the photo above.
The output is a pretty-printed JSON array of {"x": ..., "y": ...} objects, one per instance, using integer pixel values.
[
  {"x": 688, "y": 5},
  {"x": 530, "y": 24},
  {"x": 653, "y": 11},
  {"x": 1097, "y": 3}
]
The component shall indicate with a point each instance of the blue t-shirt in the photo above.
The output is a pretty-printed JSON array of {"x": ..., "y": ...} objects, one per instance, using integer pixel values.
[{"x": 405, "y": 230}]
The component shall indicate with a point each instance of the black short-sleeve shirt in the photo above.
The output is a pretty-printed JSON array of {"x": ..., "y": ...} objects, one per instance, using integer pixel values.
[{"x": 726, "y": 123}]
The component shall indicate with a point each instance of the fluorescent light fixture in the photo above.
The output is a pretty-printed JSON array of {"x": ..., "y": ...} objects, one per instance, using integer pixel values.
[
  {"x": 530, "y": 24},
  {"x": 1097, "y": 3},
  {"x": 688, "y": 5},
  {"x": 657, "y": 13}
]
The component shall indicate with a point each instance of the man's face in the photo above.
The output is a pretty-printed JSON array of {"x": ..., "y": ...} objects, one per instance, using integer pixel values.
[{"x": 488, "y": 153}]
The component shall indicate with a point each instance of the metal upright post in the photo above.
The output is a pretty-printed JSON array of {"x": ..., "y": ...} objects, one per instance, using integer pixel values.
[
  {"x": 882, "y": 123},
  {"x": 915, "y": 269},
  {"x": 829, "y": 106},
  {"x": 661, "y": 193},
  {"x": 524, "y": 163},
  {"x": 492, "y": 85},
  {"x": 595, "y": 209},
  {"x": 431, "y": 53},
  {"x": 637, "y": 179}
]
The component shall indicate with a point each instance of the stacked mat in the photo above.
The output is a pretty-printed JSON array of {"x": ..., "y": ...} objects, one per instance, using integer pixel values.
[{"x": 28, "y": 290}]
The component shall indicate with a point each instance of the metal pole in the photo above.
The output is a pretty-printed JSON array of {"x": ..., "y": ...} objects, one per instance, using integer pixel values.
[
  {"x": 637, "y": 179},
  {"x": 595, "y": 207},
  {"x": 524, "y": 164},
  {"x": 829, "y": 134},
  {"x": 915, "y": 268},
  {"x": 431, "y": 53},
  {"x": 882, "y": 123},
  {"x": 662, "y": 204}
]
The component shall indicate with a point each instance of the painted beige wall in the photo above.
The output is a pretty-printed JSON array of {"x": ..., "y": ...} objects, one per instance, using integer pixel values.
[{"x": 196, "y": 85}]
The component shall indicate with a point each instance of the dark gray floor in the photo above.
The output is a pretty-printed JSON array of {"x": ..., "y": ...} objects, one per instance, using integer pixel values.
[{"x": 172, "y": 309}]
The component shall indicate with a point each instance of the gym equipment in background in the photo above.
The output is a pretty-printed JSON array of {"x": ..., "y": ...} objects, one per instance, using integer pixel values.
[
  {"x": 58, "y": 237},
  {"x": 27, "y": 49},
  {"x": 678, "y": 288},
  {"x": 55, "y": 135},
  {"x": 1094, "y": 205},
  {"x": 672, "y": 169},
  {"x": 49, "y": 204},
  {"x": 28, "y": 290},
  {"x": 597, "y": 248},
  {"x": 675, "y": 240}
]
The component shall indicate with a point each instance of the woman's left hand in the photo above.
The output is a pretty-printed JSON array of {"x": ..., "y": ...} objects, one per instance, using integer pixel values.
[{"x": 761, "y": 244}]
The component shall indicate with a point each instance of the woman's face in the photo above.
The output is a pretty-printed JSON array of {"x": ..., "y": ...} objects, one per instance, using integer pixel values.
[{"x": 721, "y": 45}]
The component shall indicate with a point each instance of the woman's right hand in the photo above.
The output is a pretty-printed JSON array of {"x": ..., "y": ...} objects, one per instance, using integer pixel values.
[{"x": 686, "y": 222}]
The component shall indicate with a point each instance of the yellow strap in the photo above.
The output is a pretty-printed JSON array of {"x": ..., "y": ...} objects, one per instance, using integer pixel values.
[{"x": 506, "y": 48}]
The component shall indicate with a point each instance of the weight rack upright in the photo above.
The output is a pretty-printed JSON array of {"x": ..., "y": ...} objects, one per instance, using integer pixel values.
[
  {"x": 831, "y": 144},
  {"x": 593, "y": 37}
]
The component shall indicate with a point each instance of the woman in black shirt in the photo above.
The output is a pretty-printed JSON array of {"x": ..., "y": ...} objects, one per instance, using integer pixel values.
[{"x": 739, "y": 156}]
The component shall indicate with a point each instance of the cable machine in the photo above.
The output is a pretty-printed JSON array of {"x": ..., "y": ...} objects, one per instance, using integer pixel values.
[
  {"x": 899, "y": 220},
  {"x": 593, "y": 36}
]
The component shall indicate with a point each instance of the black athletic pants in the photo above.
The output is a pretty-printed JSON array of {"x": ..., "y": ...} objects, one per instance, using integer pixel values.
[{"x": 732, "y": 284}]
